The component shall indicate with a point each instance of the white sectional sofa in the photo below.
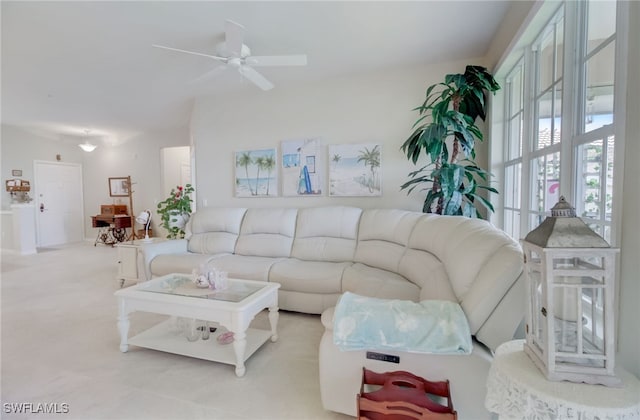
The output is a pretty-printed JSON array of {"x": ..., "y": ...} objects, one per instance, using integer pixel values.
[{"x": 316, "y": 254}]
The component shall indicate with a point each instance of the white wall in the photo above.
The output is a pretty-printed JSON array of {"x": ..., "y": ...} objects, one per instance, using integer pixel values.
[
  {"x": 175, "y": 160},
  {"x": 629, "y": 328},
  {"x": 138, "y": 158},
  {"x": 6, "y": 226},
  {"x": 363, "y": 108},
  {"x": 509, "y": 30},
  {"x": 176, "y": 170},
  {"x": 19, "y": 149}
]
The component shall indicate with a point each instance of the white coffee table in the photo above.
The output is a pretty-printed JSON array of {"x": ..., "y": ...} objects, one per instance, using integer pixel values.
[{"x": 233, "y": 308}]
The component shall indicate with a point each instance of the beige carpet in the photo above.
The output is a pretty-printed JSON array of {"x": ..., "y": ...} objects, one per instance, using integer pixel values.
[{"x": 60, "y": 345}]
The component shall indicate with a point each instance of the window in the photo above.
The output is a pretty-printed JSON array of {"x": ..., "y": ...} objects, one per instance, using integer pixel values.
[
  {"x": 514, "y": 88},
  {"x": 595, "y": 138},
  {"x": 558, "y": 119},
  {"x": 547, "y": 106}
]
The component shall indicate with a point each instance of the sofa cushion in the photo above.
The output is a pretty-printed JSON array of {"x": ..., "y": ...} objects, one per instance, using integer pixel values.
[
  {"x": 308, "y": 303},
  {"x": 428, "y": 273},
  {"x": 382, "y": 237},
  {"x": 213, "y": 230},
  {"x": 178, "y": 263},
  {"x": 244, "y": 267},
  {"x": 326, "y": 234},
  {"x": 477, "y": 257},
  {"x": 374, "y": 282},
  {"x": 308, "y": 276},
  {"x": 267, "y": 232}
]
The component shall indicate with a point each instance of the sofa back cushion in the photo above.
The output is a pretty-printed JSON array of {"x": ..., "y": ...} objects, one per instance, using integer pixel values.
[
  {"x": 326, "y": 234},
  {"x": 425, "y": 270},
  {"x": 267, "y": 232},
  {"x": 214, "y": 230},
  {"x": 481, "y": 261},
  {"x": 383, "y": 236}
]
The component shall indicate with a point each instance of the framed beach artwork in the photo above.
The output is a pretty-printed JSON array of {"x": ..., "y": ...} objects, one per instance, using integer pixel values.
[
  {"x": 303, "y": 171},
  {"x": 256, "y": 173},
  {"x": 354, "y": 170},
  {"x": 119, "y": 186}
]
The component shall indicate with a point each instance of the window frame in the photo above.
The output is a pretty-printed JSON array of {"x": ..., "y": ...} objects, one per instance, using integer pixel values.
[{"x": 573, "y": 17}]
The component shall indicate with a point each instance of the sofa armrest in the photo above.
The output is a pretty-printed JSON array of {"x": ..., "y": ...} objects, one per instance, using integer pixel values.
[
  {"x": 504, "y": 323},
  {"x": 150, "y": 251},
  {"x": 327, "y": 318}
]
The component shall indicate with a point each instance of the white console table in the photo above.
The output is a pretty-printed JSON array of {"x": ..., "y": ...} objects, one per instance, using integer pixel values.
[{"x": 516, "y": 389}]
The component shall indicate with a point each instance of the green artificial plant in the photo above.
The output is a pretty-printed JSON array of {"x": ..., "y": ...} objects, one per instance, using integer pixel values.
[
  {"x": 175, "y": 210},
  {"x": 448, "y": 114}
]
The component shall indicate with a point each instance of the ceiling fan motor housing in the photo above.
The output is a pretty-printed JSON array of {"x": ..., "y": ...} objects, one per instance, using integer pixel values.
[{"x": 223, "y": 51}]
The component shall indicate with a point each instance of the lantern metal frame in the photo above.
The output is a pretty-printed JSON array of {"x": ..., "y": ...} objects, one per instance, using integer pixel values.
[{"x": 570, "y": 328}]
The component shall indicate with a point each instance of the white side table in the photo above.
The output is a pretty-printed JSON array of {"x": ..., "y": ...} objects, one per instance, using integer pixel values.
[
  {"x": 129, "y": 264},
  {"x": 516, "y": 389}
]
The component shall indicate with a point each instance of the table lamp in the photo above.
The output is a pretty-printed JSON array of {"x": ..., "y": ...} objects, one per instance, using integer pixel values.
[{"x": 144, "y": 218}]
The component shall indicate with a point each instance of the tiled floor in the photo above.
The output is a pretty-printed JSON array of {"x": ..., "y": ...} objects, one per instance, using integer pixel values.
[{"x": 60, "y": 345}]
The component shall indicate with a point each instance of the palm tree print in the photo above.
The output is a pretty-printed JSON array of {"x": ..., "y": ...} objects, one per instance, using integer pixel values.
[
  {"x": 259, "y": 162},
  {"x": 371, "y": 158},
  {"x": 268, "y": 163},
  {"x": 336, "y": 159},
  {"x": 245, "y": 160},
  {"x": 258, "y": 179}
]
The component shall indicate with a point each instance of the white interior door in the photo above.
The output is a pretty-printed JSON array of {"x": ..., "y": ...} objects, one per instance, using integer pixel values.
[{"x": 59, "y": 203}]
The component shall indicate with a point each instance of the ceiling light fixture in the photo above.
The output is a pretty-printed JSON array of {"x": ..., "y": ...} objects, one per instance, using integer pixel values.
[{"x": 86, "y": 146}]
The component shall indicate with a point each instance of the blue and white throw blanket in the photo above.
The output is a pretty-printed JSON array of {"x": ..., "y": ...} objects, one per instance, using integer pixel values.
[{"x": 431, "y": 326}]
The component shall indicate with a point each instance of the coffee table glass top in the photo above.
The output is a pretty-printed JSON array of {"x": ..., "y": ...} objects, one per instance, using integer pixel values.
[{"x": 182, "y": 285}]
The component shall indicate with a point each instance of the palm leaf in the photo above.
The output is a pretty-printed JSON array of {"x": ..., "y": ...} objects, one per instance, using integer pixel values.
[{"x": 451, "y": 188}]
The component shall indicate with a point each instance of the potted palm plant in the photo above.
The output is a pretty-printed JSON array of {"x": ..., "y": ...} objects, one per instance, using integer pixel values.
[
  {"x": 175, "y": 211},
  {"x": 447, "y": 119}
]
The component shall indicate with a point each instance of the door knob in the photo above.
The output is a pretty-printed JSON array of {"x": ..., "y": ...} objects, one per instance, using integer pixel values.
[{"x": 41, "y": 207}]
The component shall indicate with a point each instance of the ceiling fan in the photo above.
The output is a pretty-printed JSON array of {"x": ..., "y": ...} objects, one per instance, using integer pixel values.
[{"x": 234, "y": 53}]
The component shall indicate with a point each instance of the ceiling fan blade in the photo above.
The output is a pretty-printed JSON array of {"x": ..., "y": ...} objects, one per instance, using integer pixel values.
[
  {"x": 277, "y": 60},
  {"x": 213, "y": 72},
  {"x": 223, "y": 59},
  {"x": 234, "y": 36},
  {"x": 255, "y": 77}
]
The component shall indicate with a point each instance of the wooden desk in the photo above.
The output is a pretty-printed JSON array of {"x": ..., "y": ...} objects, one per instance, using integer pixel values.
[{"x": 112, "y": 228}]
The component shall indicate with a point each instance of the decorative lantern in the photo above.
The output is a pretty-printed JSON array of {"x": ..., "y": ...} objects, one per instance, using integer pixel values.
[{"x": 570, "y": 300}]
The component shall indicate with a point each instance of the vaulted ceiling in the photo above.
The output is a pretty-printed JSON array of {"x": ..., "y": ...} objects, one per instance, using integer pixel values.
[{"x": 72, "y": 66}]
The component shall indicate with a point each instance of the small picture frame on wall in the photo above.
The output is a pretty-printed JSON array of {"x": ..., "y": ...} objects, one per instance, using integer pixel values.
[
  {"x": 119, "y": 187},
  {"x": 16, "y": 172}
]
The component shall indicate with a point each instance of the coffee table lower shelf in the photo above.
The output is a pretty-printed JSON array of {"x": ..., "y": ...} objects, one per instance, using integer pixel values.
[{"x": 164, "y": 337}]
